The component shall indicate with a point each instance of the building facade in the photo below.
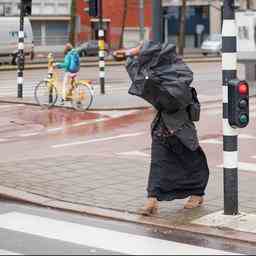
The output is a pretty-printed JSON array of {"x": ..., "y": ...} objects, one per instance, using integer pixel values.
[
  {"x": 50, "y": 21},
  {"x": 202, "y": 16},
  {"x": 113, "y": 13}
]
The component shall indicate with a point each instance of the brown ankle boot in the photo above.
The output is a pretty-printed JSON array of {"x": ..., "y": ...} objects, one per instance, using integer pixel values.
[
  {"x": 150, "y": 208},
  {"x": 194, "y": 202}
]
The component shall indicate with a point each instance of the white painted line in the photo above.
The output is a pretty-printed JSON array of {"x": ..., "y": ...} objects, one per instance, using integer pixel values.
[
  {"x": 211, "y": 141},
  {"x": 3, "y": 140},
  {"x": 122, "y": 136},
  {"x": 29, "y": 134},
  {"x": 254, "y": 157},
  {"x": 11, "y": 106},
  {"x": 98, "y": 237},
  {"x": 90, "y": 122},
  {"x": 115, "y": 114},
  {"x": 247, "y": 136},
  {"x": 4, "y": 252},
  {"x": 55, "y": 129},
  {"x": 243, "y": 166},
  {"x": 134, "y": 153}
]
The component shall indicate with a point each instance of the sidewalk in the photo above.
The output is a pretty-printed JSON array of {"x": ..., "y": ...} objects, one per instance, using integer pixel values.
[{"x": 117, "y": 191}]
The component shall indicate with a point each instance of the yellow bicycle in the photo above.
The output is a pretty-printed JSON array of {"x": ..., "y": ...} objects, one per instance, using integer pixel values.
[{"x": 46, "y": 93}]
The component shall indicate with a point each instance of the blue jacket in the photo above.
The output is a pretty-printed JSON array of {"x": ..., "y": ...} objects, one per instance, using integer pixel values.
[{"x": 66, "y": 64}]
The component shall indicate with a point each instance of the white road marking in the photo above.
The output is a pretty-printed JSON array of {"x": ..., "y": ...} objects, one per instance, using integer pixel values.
[
  {"x": 11, "y": 106},
  {"x": 254, "y": 157},
  {"x": 244, "y": 167},
  {"x": 134, "y": 153},
  {"x": 211, "y": 141},
  {"x": 29, "y": 134},
  {"x": 98, "y": 237},
  {"x": 3, "y": 252},
  {"x": 218, "y": 141},
  {"x": 247, "y": 136},
  {"x": 57, "y": 129},
  {"x": 115, "y": 114},
  {"x": 121, "y": 136},
  {"x": 89, "y": 122},
  {"x": 3, "y": 140}
]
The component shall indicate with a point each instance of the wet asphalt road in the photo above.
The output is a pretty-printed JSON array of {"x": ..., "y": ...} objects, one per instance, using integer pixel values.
[
  {"x": 28, "y": 132},
  {"x": 207, "y": 79},
  {"x": 31, "y": 230}
]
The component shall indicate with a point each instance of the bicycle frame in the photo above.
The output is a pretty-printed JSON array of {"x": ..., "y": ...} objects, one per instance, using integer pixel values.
[
  {"x": 52, "y": 79},
  {"x": 80, "y": 93}
]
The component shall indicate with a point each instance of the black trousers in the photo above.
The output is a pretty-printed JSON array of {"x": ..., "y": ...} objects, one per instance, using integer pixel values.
[{"x": 176, "y": 172}]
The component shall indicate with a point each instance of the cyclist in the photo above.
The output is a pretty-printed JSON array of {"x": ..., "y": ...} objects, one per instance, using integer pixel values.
[{"x": 71, "y": 66}]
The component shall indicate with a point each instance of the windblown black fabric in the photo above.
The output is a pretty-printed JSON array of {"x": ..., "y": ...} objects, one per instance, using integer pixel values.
[
  {"x": 176, "y": 172},
  {"x": 160, "y": 77}
]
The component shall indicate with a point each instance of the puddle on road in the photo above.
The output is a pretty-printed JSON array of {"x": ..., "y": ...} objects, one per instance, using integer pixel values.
[{"x": 31, "y": 119}]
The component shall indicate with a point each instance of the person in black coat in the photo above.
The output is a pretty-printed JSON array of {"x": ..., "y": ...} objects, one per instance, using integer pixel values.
[{"x": 179, "y": 166}]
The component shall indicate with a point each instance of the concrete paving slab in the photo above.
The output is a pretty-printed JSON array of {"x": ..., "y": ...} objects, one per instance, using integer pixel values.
[{"x": 243, "y": 222}]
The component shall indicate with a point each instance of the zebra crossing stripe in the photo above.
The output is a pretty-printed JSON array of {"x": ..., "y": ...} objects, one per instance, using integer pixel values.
[
  {"x": 4, "y": 252},
  {"x": 98, "y": 237}
]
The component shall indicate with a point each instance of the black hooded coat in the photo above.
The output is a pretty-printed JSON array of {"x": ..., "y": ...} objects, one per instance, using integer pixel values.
[{"x": 178, "y": 164}]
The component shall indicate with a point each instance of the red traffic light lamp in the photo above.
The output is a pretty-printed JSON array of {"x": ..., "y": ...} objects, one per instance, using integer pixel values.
[{"x": 243, "y": 88}]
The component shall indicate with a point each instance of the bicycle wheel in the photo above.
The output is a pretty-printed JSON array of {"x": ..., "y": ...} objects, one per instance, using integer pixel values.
[
  {"x": 46, "y": 96},
  {"x": 82, "y": 97}
]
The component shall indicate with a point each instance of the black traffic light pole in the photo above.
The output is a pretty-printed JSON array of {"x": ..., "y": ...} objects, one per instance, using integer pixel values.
[
  {"x": 157, "y": 25},
  {"x": 20, "y": 56},
  {"x": 230, "y": 138}
]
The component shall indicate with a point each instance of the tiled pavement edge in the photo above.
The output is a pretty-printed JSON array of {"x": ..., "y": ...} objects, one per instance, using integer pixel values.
[{"x": 81, "y": 184}]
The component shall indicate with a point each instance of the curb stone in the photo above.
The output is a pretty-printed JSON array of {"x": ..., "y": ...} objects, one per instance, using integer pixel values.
[{"x": 25, "y": 197}]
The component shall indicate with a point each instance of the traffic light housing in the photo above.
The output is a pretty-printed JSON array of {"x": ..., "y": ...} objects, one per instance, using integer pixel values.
[
  {"x": 21, "y": 61},
  {"x": 238, "y": 103},
  {"x": 93, "y": 8},
  {"x": 27, "y": 7}
]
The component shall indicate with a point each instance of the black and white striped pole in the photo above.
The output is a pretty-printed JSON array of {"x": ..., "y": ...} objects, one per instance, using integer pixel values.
[
  {"x": 20, "y": 55},
  {"x": 230, "y": 138},
  {"x": 101, "y": 49}
]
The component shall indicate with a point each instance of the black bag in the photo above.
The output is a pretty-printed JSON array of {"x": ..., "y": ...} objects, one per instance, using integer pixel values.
[{"x": 194, "y": 107}]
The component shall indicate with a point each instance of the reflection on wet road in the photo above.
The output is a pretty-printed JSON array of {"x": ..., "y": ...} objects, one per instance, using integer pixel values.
[{"x": 30, "y": 132}]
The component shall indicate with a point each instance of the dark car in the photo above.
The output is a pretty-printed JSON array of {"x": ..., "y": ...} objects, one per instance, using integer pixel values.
[{"x": 90, "y": 48}]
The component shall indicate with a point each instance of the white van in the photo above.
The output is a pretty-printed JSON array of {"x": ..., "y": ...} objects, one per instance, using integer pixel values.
[{"x": 9, "y": 36}]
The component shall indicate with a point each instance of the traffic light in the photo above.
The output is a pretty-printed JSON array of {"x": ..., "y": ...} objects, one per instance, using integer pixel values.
[
  {"x": 20, "y": 61},
  {"x": 93, "y": 8},
  {"x": 27, "y": 7},
  {"x": 238, "y": 103}
]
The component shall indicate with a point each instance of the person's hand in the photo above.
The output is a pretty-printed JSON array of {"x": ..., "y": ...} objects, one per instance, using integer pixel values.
[
  {"x": 55, "y": 65},
  {"x": 120, "y": 54}
]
